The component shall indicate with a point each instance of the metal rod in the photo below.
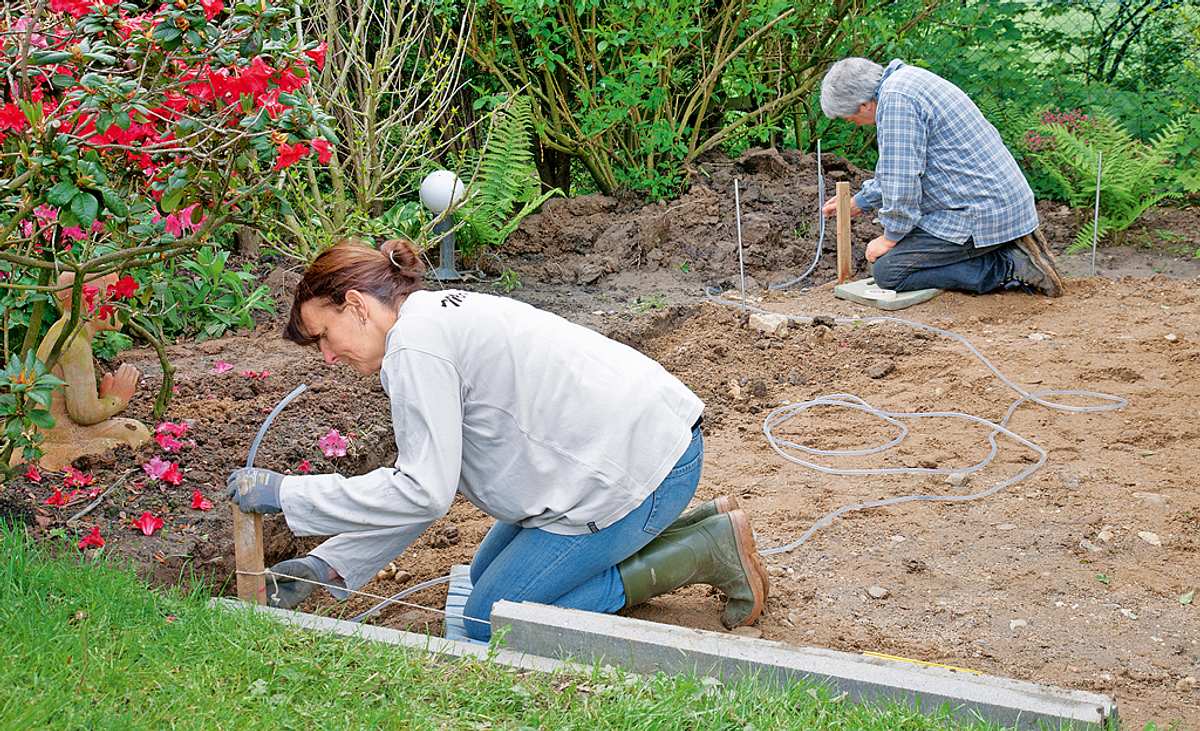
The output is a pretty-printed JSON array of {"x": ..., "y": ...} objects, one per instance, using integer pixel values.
[
  {"x": 1096, "y": 215},
  {"x": 737, "y": 208}
]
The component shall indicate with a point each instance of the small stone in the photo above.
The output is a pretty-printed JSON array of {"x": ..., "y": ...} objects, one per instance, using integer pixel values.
[
  {"x": 899, "y": 538},
  {"x": 938, "y": 392},
  {"x": 1015, "y": 624},
  {"x": 879, "y": 370},
  {"x": 957, "y": 479},
  {"x": 597, "y": 312},
  {"x": 1105, "y": 534},
  {"x": 775, "y": 570},
  {"x": 793, "y": 618},
  {"x": 1005, "y": 526},
  {"x": 795, "y": 379},
  {"x": 769, "y": 323},
  {"x": 751, "y": 632},
  {"x": 1151, "y": 538},
  {"x": 758, "y": 388},
  {"x": 1172, "y": 338},
  {"x": 211, "y": 347},
  {"x": 735, "y": 390},
  {"x": 1128, "y": 613},
  {"x": 1152, "y": 498},
  {"x": 1088, "y": 545},
  {"x": 877, "y": 592},
  {"x": 1186, "y": 685},
  {"x": 1038, "y": 337}
]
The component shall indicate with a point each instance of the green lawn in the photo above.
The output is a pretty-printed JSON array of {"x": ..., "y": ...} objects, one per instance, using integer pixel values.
[{"x": 88, "y": 645}]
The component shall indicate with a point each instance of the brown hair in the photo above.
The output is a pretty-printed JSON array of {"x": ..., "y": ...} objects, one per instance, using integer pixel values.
[{"x": 388, "y": 273}]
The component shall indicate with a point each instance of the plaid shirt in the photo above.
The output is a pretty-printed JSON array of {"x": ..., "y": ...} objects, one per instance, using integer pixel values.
[{"x": 942, "y": 166}]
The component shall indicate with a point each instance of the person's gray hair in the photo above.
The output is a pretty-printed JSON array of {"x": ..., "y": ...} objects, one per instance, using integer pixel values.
[{"x": 848, "y": 84}]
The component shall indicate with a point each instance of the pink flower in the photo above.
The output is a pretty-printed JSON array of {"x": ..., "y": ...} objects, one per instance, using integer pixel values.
[
  {"x": 97, "y": 227},
  {"x": 33, "y": 474},
  {"x": 180, "y": 222},
  {"x": 155, "y": 468},
  {"x": 257, "y": 375},
  {"x": 74, "y": 233},
  {"x": 333, "y": 444},
  {"x": 148, "y": 523},
  {"x": 222, "y": 367},
  {"x": 168, "y": 442},
  {"x": 45, "y": 214},
  {"x": 175, "y": 429},
  {"x": 199, "y": 502},
  {"x": 304, "y": 467},
  {"x": 92, "y": 540}
]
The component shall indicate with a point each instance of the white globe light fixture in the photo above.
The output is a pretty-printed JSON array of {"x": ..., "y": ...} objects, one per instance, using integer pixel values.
[{"x": 441, "y": 190}]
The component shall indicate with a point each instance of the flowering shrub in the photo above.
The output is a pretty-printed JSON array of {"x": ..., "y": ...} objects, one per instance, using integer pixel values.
[{"x": 127, "y": 135}]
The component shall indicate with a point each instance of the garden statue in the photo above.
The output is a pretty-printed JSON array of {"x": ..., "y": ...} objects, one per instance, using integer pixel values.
[{"x": 84, "y": 415}]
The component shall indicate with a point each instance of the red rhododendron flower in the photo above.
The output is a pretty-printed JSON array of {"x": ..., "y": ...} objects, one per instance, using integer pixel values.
[
  {"x": 222, "y": 366},
  {"x": 75, "y": 234},
  {"x": 289, "y": 154},
  {"x": 12, "y": 118},
  {"x": 317, "y": 55},
  {"x": 323, "y": 148},
  {"x": 199, "y": 502},
  {"x": 212, "y": 8},
  {"x": 148, "y": 523},
  {"x": 33, "y": 474},
  {"x": 58, "y": 499},
  {"x": 105, "y": 311},
  {"x": 304, "y": 467},
  {"x": 92, "y": 540},
  {"x": 89, "y": 297},
  {"x": 173, "y": 475},
  {"x": 123, "y": 289},
  {"x": 75, "y": 478}
]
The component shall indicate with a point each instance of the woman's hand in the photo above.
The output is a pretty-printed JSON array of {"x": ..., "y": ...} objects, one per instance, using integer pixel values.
[{"x": 255, "y": 490}]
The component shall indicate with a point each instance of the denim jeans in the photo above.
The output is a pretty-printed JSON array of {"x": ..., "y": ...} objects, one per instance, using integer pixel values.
[
  {"x": 921, "y": 260},
  {"x": 576, "y": 571}
]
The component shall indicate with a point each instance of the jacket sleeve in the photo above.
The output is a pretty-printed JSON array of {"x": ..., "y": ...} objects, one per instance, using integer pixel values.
[
  {"x": 902, "y": 141},
  {"x": 869, "y": 198},
  {"x": 426, "y": 404}
]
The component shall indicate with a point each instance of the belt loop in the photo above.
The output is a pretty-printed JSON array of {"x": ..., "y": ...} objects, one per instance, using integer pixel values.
[{"x": 592, "y": 526}]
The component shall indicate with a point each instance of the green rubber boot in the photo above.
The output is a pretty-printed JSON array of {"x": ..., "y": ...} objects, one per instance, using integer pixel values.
[
  {"x": 719, "y": 550},
  {"x": 722, "y": 504}
]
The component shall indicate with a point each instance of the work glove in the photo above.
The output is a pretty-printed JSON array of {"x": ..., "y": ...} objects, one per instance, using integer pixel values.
[
  {"x": 255, "y": 490},
  {"x": 288, "y": 593}
]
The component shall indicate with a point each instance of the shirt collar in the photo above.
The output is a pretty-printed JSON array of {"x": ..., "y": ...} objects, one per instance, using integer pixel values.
[{"x": 894, "y": 65}]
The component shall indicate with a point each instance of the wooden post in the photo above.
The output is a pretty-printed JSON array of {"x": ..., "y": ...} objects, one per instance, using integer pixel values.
[
  {"x": 843, "y": 231},
  {"x": 248, "y": 556}
]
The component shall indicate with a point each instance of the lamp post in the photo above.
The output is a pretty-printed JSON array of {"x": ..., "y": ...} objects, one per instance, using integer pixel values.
[{"x": 441, "y": 190}]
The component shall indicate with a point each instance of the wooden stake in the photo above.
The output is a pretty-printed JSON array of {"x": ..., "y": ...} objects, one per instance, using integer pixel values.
[
  {"x": 248, "y": 556},
  {"x": 843, "y": 232}
]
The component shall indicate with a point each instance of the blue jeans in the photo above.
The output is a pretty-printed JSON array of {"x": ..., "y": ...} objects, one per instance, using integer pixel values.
[
  {"x": 577, "y": 571},
  {"x": 921, "y": 260}
]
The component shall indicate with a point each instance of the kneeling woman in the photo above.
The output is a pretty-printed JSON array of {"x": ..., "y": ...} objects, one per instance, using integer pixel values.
[{"x": 584, "y": 451}]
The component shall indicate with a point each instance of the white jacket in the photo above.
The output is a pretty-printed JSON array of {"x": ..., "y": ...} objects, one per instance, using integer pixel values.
[{"x": 536, "y": 420}]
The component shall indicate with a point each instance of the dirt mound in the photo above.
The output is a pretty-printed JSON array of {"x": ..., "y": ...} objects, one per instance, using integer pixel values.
[{"x": 583, "y": 240}]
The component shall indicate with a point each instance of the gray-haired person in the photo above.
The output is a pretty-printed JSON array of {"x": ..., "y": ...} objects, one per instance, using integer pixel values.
[{"x": 956, "y": 211}]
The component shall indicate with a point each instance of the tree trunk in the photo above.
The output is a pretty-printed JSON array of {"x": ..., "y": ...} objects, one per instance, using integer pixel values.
[{"x": 554, "y": 168}]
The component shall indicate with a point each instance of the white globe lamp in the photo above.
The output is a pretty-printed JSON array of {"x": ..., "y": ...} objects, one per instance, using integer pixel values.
[{"x": 441, "y": 190}]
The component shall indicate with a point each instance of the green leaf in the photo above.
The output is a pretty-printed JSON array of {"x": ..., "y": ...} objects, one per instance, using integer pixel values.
[
  {"x": 114, "y": 203},
  {"x": 61, "y": 194},
  {"x": 171, "y": 199},
  {"x": 85, "y": 207},
  {"x": 1188, "y": 597},
  {"x": 41, "y": 418}
]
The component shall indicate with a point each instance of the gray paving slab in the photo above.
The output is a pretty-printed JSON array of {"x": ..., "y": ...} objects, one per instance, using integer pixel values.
[{"x": 865, "y": 292}]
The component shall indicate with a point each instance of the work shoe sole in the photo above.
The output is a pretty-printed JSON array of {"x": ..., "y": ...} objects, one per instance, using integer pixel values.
[
  {"x": 1035, "y": 247},
  {"x": 756, "y": 574}
]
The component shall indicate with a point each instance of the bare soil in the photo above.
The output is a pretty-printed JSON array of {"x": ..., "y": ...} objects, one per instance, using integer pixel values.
[{"x": 1056, "y": 579}]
